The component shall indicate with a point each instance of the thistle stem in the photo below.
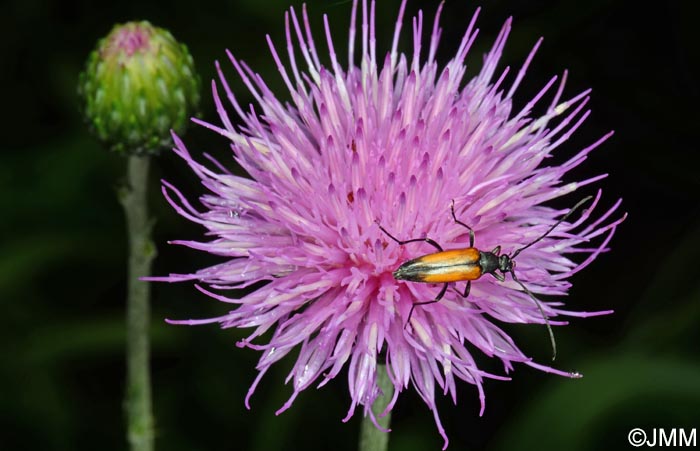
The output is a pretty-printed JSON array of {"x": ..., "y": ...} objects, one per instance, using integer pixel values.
[
  {"x": 139, "y": 415},
  {"x": 371, "y": 438}
]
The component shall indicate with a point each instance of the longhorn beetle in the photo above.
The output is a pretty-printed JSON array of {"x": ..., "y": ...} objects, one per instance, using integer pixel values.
[{"x": 468, "y": 264}]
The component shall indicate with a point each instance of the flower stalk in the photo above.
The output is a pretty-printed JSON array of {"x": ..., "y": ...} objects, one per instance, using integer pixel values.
[
  {"x": 138, "y": 404},
  {"x": 139, "y": 84},
  {"x": 371, "y": 437}
]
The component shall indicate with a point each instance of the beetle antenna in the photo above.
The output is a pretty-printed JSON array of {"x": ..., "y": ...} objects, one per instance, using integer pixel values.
[
  {"x": 563, "y": 218},
  {"x": 539, "y": 306}
]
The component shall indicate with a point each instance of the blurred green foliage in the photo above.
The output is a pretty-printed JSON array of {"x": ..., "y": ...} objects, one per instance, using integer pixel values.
[{"x": 62, "y": 261}]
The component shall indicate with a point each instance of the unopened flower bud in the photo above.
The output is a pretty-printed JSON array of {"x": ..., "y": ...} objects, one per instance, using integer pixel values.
[{"x": 138, "y": 84}]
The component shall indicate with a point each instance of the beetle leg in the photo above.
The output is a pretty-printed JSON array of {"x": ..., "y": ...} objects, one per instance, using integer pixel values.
[
  {"x": 413, "y": 240},
  {"x": 416, "y": 304},
  {"x": 471, "y": 231},
  {"x": 467, "y": 289}
]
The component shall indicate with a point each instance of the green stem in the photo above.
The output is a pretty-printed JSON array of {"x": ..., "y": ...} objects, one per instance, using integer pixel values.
[
  {"x": 371, "y": 438},
  {"x": 139, "y": 415}
]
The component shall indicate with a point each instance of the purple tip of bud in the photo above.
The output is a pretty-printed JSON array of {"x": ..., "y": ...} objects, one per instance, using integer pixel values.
[{"x": 135, "y": 37}]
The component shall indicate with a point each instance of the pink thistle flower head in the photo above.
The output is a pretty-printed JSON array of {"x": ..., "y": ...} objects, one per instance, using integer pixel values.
[{"x": 393, "y": 140}]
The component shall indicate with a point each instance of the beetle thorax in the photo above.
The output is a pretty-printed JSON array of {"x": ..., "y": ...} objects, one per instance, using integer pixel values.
[{"x": 489, "y": 262}]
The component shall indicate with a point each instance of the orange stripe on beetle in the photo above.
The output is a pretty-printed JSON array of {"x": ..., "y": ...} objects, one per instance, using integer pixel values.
[{"x": 442, "y": 267}]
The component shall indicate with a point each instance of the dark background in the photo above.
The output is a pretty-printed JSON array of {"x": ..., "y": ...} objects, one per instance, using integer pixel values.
[{"x": 62, "y": 252}]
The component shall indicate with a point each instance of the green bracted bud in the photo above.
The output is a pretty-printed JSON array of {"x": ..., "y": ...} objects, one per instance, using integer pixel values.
[{"x": 138, "y": 84}]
